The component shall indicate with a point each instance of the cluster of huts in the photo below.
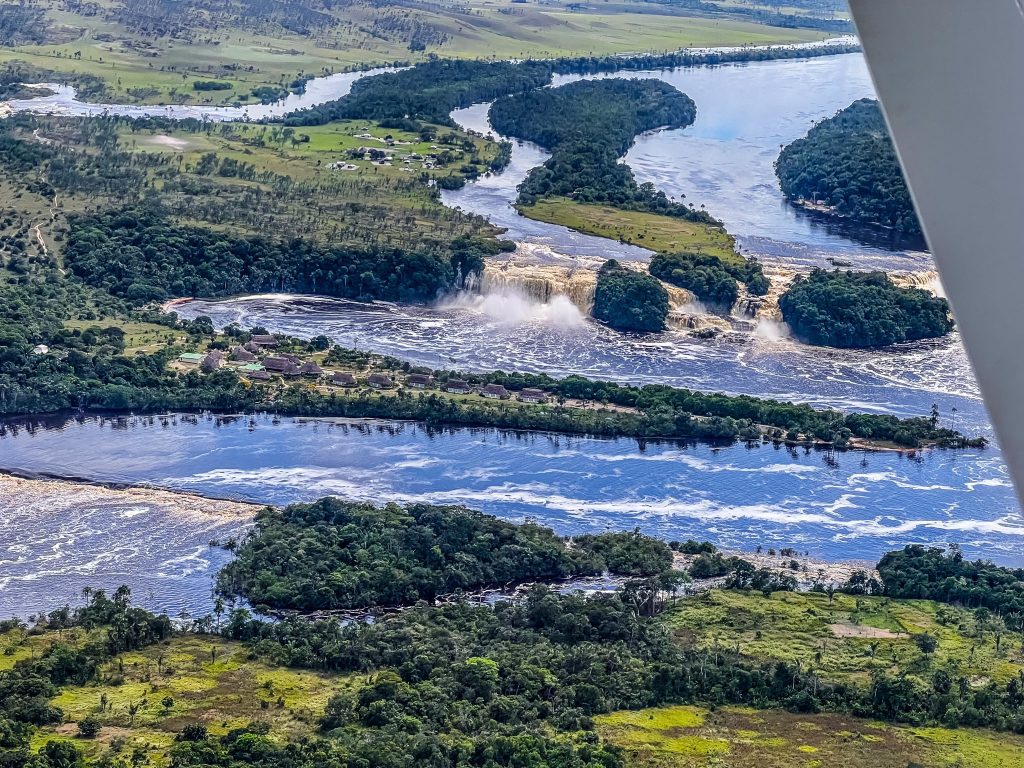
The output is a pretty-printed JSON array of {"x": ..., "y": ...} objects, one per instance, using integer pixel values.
[{"x": 258, "y": 361}]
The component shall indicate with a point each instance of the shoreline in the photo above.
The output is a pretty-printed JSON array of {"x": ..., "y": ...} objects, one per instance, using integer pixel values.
[
  {"x": 41, "y": 484},
  {"x": 855, "y": 445},
  {"x": 38, "y": 483}
]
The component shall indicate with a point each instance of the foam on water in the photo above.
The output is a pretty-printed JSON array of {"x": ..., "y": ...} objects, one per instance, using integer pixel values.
[{"x": 843, "y": 506}]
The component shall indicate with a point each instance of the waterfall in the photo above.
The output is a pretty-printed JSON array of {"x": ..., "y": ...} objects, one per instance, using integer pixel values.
[
  {"x": 540, "y": 282},
  {"x": 927, "y": 280}
]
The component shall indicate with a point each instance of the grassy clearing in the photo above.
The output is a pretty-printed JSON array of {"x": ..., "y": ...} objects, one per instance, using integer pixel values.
[
  {"x": 847, "y": 639},
  {"x": 138, "y": 336},
  {"x": 648, "y": 230},
  {"x": 192, "y": 678},
  {"x": 690, "y": 737},
  {"x": 305, "y": 153},
  {"x": 252, "y": 49}
]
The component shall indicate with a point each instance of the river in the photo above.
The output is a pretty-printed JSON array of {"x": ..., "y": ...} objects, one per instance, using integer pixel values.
[{"x": 852, "y": 505}]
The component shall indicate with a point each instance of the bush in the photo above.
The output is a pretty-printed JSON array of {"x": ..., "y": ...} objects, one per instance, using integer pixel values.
[{"x": 89, "y": 727}]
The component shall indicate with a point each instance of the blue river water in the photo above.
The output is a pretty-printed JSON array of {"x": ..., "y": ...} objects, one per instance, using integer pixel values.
[{"x": 852, "y": 505}]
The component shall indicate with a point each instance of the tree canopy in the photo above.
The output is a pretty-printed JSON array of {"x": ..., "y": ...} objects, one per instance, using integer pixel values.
[
  {"x": 336, "y": 555},
  {"x": 629, "y": 300},
  {"x": 848, "y": 162},
  {"x": 861, "y": 309}
]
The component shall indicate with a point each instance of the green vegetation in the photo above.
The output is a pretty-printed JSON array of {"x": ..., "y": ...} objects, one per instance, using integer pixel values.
[
  {"x": 332, "y": 555},
  {"x": 647, "y": 230},
  {"x": 588, "y": 126},
  {"x": 695, "y": 737},
  {"x": 710, "y": 279},
  {"x": 343, "y": 183},
  {"x": 847, "y": 163},
  {"x": 917, "y": 571},
  {"x": 629, "y": 300},
  {"x": 850, "y": 639},
  {"x": 427, "y": 91},
  {"x": 138, "y": 255},
  {"x": 635, "y": 678},
  {"x": 861, "y": 309},
  {"x": 151, "y": 54}
]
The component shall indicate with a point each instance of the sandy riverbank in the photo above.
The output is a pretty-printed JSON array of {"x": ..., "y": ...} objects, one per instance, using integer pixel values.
[
  {"x": 20, "y": 491},
  {"x": 809, "y": 569}
]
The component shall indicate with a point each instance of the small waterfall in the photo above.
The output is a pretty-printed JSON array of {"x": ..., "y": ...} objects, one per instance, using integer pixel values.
[
  {"x": 540, "y": 282},
  {"x": 927, "y": 280}
]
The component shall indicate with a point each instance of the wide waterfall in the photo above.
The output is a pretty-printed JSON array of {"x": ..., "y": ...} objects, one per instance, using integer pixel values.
[{"x": 540, "y": 282}]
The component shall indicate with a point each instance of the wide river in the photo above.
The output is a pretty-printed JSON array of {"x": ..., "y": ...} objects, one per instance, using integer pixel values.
[{"x": 850, "y": 505}]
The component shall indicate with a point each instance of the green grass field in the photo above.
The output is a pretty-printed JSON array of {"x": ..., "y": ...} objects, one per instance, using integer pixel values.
[
  {"x": 252, "y": 52},
  {"x": 189, "y": 678},
  {"x": 848, "y": 639},
  {"x": 649, "y": 230},
  {"x": 734, "y": 737}
]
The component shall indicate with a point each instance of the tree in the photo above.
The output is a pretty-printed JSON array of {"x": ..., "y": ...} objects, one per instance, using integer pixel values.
[
  {"x": 926, "y": 643},
  {"x": 89, "y": 727}
]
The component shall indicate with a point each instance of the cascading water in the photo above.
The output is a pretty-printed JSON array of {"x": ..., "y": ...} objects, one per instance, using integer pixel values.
[{"x": 542, "y": 283}]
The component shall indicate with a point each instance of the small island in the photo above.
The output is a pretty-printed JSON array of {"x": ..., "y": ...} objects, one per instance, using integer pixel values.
[
  {"x": 710, "y": 279},
  {"x": 628, "y": 300},
  {"x": 861, "y": 309}
]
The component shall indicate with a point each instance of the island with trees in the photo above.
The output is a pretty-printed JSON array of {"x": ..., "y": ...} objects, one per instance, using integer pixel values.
[
  {"x": 629, "y": 300},
  {"x": 846, "y": 166},
  {"x": 335, "y": 555},
  {"x": 588, "y": 126},
  {"x": 710, "y": 279},
  {"x": 861, "y": 309}
]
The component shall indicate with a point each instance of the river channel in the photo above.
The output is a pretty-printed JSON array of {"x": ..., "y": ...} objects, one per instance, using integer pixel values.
[{"x": 851, "y": 505}]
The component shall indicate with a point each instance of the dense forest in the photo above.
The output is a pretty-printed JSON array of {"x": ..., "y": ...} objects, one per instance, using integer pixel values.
[
  {"x": 140, "y": 255},
  {"x": 629, "y": 300},
  {"x": 587, "y": 126},
  {"x": 848, "y": 163},
  {"x": 861, "y": 309},
  {"x": 338, "y": 555},
  {"x": 710, "y": 279},
  {"x": 933, "y": 574}
]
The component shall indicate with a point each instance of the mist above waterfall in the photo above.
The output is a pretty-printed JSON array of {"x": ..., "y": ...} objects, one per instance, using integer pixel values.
[{"x": 506, "y": 306}]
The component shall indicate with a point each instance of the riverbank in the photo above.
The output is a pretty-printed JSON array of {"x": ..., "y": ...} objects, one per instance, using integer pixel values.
[
  {"x": 647, "y": 230},
  {"x": 59, "y": 536},
  {"x": 18, "y": 487}
]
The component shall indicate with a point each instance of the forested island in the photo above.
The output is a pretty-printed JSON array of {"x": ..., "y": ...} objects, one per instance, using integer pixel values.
[
  {"x": 629, "y": 300},
  {"x": 710, "y": 279},
  {"x": 335, "y": 555},
  {"x": 846, "y": 165},
  {"x": 861, "y": 309},
  {"x": 588, "y": 126}
]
